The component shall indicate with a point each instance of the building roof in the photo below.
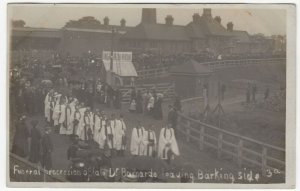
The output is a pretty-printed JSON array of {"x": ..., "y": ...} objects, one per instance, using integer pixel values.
[
  {"x": 191, "y": 67},
  {"x": 93, "y": 30},
  {"x": 157, "y": 32},
  {"x": 194, "y": 30},
  {"x": 37, "y": 32},
  {"x": 241, "y": 36},
  {"x": 206, "y": 26},
  {"x": 100, "y": 28}
]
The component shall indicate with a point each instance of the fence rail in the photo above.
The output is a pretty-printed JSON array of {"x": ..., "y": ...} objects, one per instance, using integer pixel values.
[
  {"x": 213, "y": 65},
  {"x": 219, "y": 64},
  {"x": 243, "y": 149},
  {"x": 153, "y": 73},
  {"x": 167, "y": 89}
]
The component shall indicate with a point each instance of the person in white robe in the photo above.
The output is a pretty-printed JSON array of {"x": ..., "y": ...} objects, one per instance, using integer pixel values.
[
  {"x": 49, "y": 104},
  {"x": 101, "y": 135},
  {"x": 150, "y": 103},
  {"x": 70, "y": 110},
  {"x": 151, "y": 143},
  {"x": 61, "y": 120},
  {"x": 76, "y": 120},
  {"x": 86, "y": 124},
  {"x": 91, "y": 124},
  {"x": 56, "y": 112},
  {"x": 81, "y": 124},
  {"x": 137, "y": 145},
  {"x": 167, "y": 146},
  {"x": 109, "y": 134},
  {"x": 96, "y": 124},
  {"x": 120, "y": 137}
]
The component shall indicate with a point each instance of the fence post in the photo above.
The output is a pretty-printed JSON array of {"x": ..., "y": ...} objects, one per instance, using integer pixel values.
[
  {"x": 188, "y": 131},
  {"x": 264, "y": 161},
  {"x": 201, "y": 142},
  {"x": 240, "y": 153},
  {"x": 220, "y": 141}
]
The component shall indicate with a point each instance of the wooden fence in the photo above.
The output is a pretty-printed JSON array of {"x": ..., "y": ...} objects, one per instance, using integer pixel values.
[
  {"x": 153, "y": 73},
  {"x": 243, "y": 150},
  {"x": 167, "y": 89},
  {"x": 219, "y": 64},
  {"x": 213, "y": 65}
]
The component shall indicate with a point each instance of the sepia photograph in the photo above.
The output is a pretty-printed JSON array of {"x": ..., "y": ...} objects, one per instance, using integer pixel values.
[{"x": 150, "y": 93}]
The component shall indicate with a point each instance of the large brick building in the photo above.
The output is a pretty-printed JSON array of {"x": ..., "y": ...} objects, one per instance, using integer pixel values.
[{"x": 204, "y": 33}]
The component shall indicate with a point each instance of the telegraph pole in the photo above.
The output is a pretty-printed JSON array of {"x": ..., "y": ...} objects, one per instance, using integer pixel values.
[
  {"x": 112, "y": 57},
  {"x": 112, "y": 49}
]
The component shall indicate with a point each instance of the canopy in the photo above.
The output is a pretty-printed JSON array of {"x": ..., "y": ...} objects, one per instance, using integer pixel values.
[{"x": 121, "y": 68}]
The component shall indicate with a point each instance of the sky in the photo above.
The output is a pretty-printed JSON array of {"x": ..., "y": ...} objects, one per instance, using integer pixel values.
[{"x": 268, "y": 20}]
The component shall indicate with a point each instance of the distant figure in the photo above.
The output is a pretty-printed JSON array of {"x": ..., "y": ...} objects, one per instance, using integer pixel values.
[
  {"x": 248, "y": 93},
  {"x": 139, "y": 102},
  {"x": 172, "y": 118},
  {"x": 20, "y": 144},
  {"x": 132, "y": 106},
  {"x": 205, "y": 95},
  {"x": 118, "y": 99},
  {"x": 133, "y": 94},
  {"x": 267, "y": 92},
  {"x": 35, "y": 142},
  {"x": 146, "y": 97},
  {"x": 47, "y": 148},
  {"x": 177, "y": 104},
  {"x": 150, "y": 104},
  {"x": 254, "y": 90},
  {"x": 223, "y": 90},
  {"x": 158, "y": 114}
]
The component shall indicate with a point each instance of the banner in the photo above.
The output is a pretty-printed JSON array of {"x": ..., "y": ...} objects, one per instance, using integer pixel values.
[{"x": 117, "y": 56}]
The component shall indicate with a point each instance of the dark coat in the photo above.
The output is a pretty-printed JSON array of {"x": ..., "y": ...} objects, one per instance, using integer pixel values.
[
  {"x": 47, "y": 148},
  {"x": 34, "y": 155},
  {"x": 20, "y": 143}
]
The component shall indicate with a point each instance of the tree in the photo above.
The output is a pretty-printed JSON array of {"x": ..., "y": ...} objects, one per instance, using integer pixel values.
[
  {"x": 84, "y": 22},
  {"x": 18, "y": 23}
]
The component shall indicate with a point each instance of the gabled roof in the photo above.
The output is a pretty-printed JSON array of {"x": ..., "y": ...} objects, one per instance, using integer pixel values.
[
  {"x": 241, "y": 36},
  {"x": 211, "y": 27},
  {"x": 206, "y": 26},
  {"x": 191, "y": 67},
  {"x": 194, "y": 30},
  {"x": 157, "y": 32}
]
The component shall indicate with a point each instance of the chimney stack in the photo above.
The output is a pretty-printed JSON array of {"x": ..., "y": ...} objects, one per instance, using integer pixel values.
[
  {"x": 218, "y": 19},
  {"x": 196, "y": 17},
  {"x": 123, "y": 22},
  {"x": 230, "y": 26},
  {"x": 106, "y": 21},
  {"x": 169, "y": 20},
  {"x": 149, "y": 15},
  {"x": 206, "y": 13}
]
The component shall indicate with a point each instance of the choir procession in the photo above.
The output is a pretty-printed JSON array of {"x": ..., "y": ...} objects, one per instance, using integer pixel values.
[{"x": 69, "y": 117}]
